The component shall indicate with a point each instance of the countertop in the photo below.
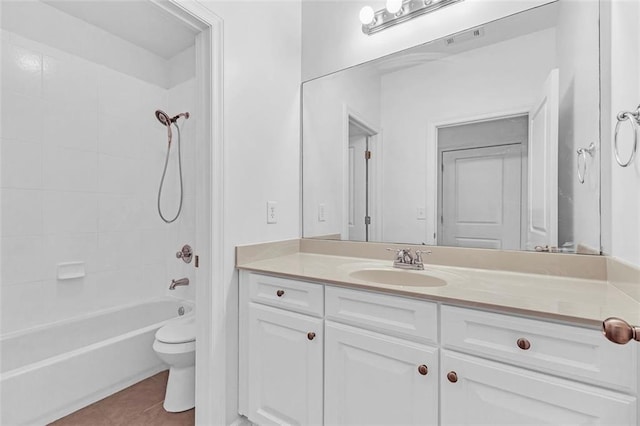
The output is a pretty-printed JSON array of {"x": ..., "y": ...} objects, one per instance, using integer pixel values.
[{"x": 576, "y": 300}]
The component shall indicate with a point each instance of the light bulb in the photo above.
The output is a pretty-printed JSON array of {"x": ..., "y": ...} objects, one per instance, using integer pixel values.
[
  {"x": 394, "y": 6},
  {"x": 367, "y": 15}
]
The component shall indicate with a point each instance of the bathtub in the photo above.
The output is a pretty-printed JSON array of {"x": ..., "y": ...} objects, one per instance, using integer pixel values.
[{"x": 48, "y": 372}]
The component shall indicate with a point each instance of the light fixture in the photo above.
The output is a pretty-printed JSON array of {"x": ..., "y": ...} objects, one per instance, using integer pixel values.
[
  {"x": 367, "y": 15},
  {"x": 394, "y": 6},
  {"x": 398, "y": 11}
]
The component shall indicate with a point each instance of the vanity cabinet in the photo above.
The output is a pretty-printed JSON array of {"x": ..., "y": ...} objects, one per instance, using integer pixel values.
[
  {"x": 477, "y": 391},
  {"x": 371, "y": 379},
  {"x": 378, "y": 358},
  {"x": 381, "y": 359},
  {"x": 283, "y": 357}
]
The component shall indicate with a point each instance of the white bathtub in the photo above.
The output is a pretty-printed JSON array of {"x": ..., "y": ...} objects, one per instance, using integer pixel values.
[{"x": 51, "y": 371}]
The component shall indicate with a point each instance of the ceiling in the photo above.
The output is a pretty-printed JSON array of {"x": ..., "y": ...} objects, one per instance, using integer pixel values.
[{"x": 140, "y": 22}]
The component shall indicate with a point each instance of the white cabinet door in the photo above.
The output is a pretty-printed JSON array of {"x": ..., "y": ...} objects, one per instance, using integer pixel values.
[
  {"x": 489, "y": 393},
  {"x": 284, "y": 367},
  {"x": 372, "y": 379}
]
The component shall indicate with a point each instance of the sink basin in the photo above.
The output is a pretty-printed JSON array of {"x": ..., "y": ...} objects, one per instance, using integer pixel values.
[{"x": 398, "y": 277}]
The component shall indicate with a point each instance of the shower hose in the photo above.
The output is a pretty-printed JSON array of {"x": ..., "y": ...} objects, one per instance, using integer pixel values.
[{"x": 164, "y": 172}]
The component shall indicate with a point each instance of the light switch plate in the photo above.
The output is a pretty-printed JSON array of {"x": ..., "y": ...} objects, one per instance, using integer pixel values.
[{"x": 421, "y": 213}]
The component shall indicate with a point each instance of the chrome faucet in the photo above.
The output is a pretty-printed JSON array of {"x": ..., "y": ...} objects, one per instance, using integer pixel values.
[
  {"x": 405, "y": 260},
  {"x": 177, "y": 283}
]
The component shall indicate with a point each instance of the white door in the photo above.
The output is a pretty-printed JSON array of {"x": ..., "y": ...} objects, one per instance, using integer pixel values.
[
  {"x": 285, "y": 367},
  {"x": 542, "y": 214},
  {"x": 372, "y": 379},
  {"x": 489, "y": 393},
  {"x": 481, "y": 197},
  {"x": 357, "y": 188}
]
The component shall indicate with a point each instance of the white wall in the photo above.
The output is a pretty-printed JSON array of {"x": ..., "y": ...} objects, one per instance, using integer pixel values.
[
  {"x": 332, "y": 37},
  {"x": 81, "y": 158},
  {"x": 261, "y": 146},
  {"x": 71, "y": 188},
  {"x": 579, "y": 125},
  {"x": 621, "y": 92},
  {"x": 497, "y": 79},
  {"x": 327, "y": 102}
]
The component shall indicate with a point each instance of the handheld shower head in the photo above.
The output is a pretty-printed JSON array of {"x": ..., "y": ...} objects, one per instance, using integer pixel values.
[
  {"x": 165, "y": 120},
  {"x": 163, "y": 117}
]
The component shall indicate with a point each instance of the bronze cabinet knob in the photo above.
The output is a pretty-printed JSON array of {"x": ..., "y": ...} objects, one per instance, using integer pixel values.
[
  {"x": 523, "y": 344},
  {"x": 452, "y": 376},
  {"x": 422, "y": 369},
  {"x": 311, "y": 335},
  {"x": 619, "y": 331},
  {"x": 280, "y": 293}
]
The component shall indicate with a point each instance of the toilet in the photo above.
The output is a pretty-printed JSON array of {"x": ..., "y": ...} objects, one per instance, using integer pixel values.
[{"x": 175, "y": 344}]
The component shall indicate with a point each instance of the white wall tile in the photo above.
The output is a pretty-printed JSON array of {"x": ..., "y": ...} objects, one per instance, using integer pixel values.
[
  {"x": 69, "y": 169},
  {"x": 67, "y": 77},
  {"x": 118, "y": 175},
  {"x": 21, "y": 164},
  {"x": 117, "y": 250},
  {"x": 21, "y": 70},
  {"x": 82, "y": 154},
  {"x": 25, "y": 305},
  {"x": 22, "y": 260},
  {"x": 122, "y": 137},
  {"x": 119, "y": 213},
  {"x": 71, "y": 124},
  {"x": 21, "y": 117},
  {"x": 156, "y": 246},
  {"x": 21, "y": 212},
  {"x": 63, "y": 248},
  {"x": 66, "y": 212}
]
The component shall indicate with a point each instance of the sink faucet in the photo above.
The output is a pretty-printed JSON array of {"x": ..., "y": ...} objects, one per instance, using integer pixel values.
[
  {"x": 405, "y": 260},
  {"x": 176, "y": 283}
]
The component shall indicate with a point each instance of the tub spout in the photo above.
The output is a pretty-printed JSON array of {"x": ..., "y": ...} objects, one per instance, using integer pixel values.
[{"x": 176, "y": 283}]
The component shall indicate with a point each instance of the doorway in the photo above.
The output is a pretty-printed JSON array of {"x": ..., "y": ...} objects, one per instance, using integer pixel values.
[
  {"x": 361, "y": 150},
  {"x": 482, "y": 183}
]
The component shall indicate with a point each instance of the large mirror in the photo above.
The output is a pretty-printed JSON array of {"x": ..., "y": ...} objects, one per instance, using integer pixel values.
[{"x": 471, "y": 140}]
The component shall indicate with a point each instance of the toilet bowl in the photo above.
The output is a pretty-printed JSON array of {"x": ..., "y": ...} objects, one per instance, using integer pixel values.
[{"x": 175, "y": 344}]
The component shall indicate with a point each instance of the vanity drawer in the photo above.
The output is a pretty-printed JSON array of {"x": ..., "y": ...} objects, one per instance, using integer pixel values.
[
  {"x": 299, "y": 296},
  {"x": 574, "y": 352},
  {"x": 399, "y": 316}
]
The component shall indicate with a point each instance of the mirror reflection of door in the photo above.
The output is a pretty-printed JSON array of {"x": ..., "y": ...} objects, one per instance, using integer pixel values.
[
  {"x": 360, "y": 153},
  {"x": 483, "y": 183}
]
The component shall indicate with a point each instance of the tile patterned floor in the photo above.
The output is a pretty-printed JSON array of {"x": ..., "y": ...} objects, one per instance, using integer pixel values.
[{"x": 137, "y": 405}]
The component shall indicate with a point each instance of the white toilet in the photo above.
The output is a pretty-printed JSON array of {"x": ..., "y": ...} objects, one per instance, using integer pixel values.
[{"x": 175, "y": 344}]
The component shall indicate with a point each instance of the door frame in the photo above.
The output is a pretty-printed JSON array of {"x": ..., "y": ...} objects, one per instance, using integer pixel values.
[
  {"x": 433, "y": 161},
  {"x": 349, "y": 114},
  {"x": 210, "y": 299}
]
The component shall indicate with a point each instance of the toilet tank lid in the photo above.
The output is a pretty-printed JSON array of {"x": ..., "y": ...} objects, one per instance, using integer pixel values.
[{"x": 181, "y": 332}]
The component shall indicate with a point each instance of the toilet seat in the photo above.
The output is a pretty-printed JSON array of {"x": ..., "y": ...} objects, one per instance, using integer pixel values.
[{"x": 178, "y": 332}]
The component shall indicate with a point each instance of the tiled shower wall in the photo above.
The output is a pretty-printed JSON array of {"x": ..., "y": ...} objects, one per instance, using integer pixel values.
[{"x": 81, "y": 156}]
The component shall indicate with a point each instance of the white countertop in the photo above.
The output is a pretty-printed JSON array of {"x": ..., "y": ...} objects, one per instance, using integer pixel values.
[{"x": 577, "y": 300}]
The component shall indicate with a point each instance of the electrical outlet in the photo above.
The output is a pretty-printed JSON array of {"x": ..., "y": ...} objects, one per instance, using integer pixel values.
[
  {"x": 321, "y": 213},
  {"x": 272, "y": 212},
  {"x": 421, "y": 213}
]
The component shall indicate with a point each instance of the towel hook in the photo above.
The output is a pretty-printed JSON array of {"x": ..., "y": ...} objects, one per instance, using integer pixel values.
[
  {"x": 582, "y": 153},
  {"x": 634, "y": 118}
]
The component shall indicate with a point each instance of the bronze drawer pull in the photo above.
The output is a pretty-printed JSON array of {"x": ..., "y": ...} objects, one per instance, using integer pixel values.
[
  {"x": 311, "y": 335},
  {"x": 422, "y": 369},
  {"x": 452, "y": 376},
  {"x": 523, "y": 344},
  {"x": 280, "y": 293},
  {"x": 619, "y": 331}
]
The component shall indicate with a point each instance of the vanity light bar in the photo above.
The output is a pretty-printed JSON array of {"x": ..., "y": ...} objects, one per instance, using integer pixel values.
[{"x": 383, "y": 19}]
